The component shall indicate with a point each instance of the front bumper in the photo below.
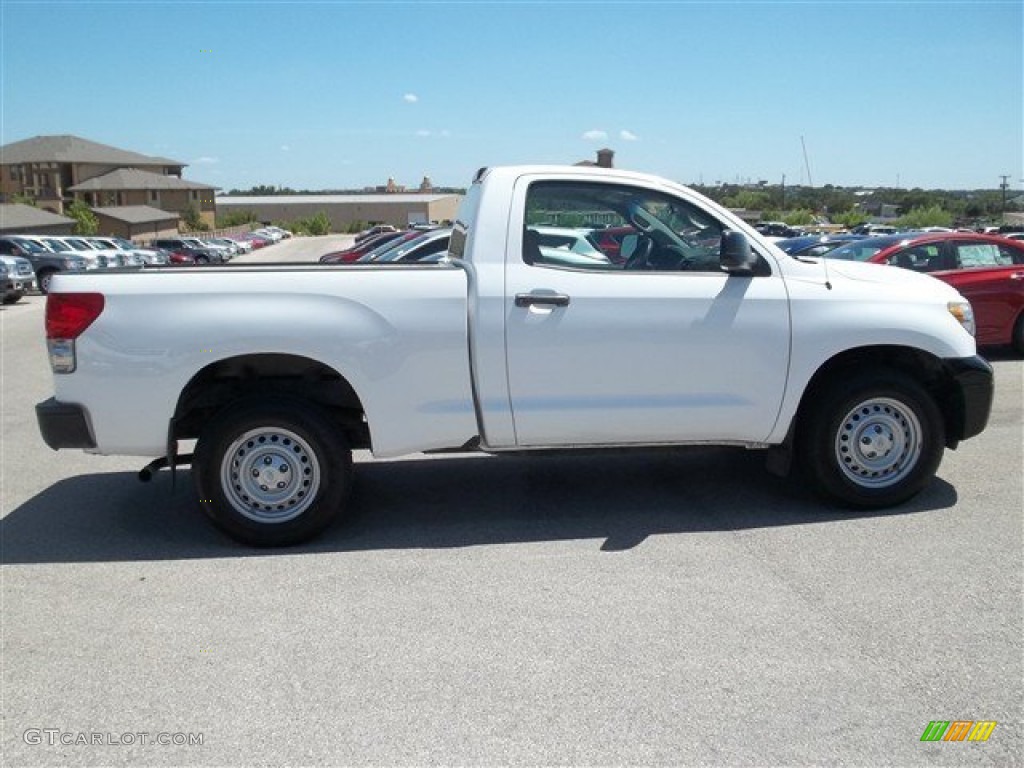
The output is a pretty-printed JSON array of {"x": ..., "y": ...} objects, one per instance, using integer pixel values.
[
  {"x": 17, "y": 285},
  {"x": 64, "y": 425},
  {"x": 972, "y": 383}
]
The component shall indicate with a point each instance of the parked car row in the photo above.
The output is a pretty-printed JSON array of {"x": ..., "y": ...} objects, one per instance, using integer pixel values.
[
  {"x": 417, "y": 244},
  {"x": 32, "y": 259},
  {"x": 988, "y": 270}
]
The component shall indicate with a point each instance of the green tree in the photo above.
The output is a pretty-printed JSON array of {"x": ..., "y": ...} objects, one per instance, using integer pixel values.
[
  {"x": 319, "y": 224},
  {"x": 850, "y": 219},
  {"x": 86, "y": 222},
  {"x": 193, "y": 220},
  {"x": 236, "y": 218},
  {"x": 749, "y": 199},
  {"x": 932, "y": 216},
  {"x": 798, "y": 217}
]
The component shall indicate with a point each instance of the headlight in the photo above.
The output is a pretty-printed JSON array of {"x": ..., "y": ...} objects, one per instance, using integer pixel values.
[{"x": 964, "y": 315}]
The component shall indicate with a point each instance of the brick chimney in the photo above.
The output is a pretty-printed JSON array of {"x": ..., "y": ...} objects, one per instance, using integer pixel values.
[{"x": 604, "y": 158}]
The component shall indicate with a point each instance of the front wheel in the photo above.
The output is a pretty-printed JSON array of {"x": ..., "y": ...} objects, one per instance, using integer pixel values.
[
  {"x": 872, "y": 441},
  {"x": 272, "y": 472},
  {"x": 1018, "y": 335},
  {"x": 44, "y": 278}
]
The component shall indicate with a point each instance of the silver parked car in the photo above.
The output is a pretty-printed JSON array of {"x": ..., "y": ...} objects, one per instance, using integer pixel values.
[{"x": 20, "y": 280}]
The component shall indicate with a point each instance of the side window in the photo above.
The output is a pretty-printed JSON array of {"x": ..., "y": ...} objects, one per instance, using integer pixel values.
[
  {"x": 977, "y": 255},
  {"x": 609, "y": 227},
  {"x": 1008, "y": 255},
  {"x": 929, "y": 257},
  {"x": 921, "y": 258}
]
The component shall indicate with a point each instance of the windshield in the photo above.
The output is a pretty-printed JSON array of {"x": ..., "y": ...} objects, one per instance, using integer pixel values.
[
  {"x": 31, "y": 246},
  {"x": 862, "y": 250},
  {"x": 80, "y": 245},
  {"x": 398, "y": 242}
]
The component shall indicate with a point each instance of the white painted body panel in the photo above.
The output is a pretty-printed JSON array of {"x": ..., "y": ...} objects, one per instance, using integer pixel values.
[
  {"x": 439, "y": 354},
  {"x": 398, "y": 335}
]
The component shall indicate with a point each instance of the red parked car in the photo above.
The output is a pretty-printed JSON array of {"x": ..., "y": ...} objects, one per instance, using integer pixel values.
[
  {"x": 609, "y": 241},
  {"x": 359, "y": 249},
  {"x": 987, "y": 269}
]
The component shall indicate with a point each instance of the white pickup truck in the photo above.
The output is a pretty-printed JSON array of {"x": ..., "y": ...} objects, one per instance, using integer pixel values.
[{"x": 690, "y": 329}]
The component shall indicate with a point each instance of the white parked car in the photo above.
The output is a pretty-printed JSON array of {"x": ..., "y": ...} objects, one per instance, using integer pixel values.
[
  {"x": 62, "y": 245},
  {"x": 123, "y": 249},
  {"x": 269, "y": 234},
  {"x": 225, "y": 252},
  {"x": 243, "y": 245}
]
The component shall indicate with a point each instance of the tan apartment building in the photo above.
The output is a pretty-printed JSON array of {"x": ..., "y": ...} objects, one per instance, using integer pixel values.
[
  {"x": 18, "y": 218},
  {"x": 134, "y": 187},
  {"x": 52, "y": 170},
  {"x": 141, "y": 223},
  {"x": 397, "y": 209}
]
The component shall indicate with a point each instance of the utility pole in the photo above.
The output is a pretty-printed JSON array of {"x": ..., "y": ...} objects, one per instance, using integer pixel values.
[
  {"x": 807, "y": 164},
  {"x": 1004, "y": 186},
  {"x": 783, "y": 206}
]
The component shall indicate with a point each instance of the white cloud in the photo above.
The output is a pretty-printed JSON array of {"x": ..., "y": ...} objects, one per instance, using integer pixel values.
[
  {"x": 285, "y": 148},
  {"x": 595, "y": 135},
  {"x": 411, "y": 98},
  {"x": 445, "y": 133},
  {"x": 628, "y": 135},
  {"x": 422, "y": 132}
]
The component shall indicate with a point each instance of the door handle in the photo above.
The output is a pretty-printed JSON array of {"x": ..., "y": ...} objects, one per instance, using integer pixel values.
[
  {"x": 1017, "y": 276},
  {"x": 542, "y": 299}
]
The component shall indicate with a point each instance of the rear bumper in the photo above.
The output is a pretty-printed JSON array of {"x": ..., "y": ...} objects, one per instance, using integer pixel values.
[
  {"x": 973, "y": 385},
  {"x": 64, "y": 425}
]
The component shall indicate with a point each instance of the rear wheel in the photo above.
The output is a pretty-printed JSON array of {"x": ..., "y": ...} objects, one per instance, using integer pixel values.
[
  {"x": 872, "y": 441},
  {"x": 202, "y": 260},
  {"x": 272, "y": 472},
  {"x": 13, "y": 298}
]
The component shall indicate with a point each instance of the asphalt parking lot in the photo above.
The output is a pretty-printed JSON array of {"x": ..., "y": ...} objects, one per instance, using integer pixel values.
[{"x": 653, "y": 608}]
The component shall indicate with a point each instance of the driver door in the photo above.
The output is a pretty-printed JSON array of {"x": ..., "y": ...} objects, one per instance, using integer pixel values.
[{"x": 597, "y": 354}]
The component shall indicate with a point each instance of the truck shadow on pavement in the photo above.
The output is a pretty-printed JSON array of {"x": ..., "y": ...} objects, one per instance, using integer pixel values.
[{"x": 618, "y": 499}]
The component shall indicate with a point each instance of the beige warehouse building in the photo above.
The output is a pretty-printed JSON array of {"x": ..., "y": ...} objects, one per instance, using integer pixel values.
[{"x": 399, "y": 210}]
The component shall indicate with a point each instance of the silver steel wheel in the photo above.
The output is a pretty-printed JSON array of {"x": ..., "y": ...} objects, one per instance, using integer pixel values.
[
  {"x": 878, "y": 443},
  {"x": 270, "y": 475}
]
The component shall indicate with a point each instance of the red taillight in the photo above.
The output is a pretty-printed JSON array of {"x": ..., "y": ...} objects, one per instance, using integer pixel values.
[{"x": 68, "y": 314}]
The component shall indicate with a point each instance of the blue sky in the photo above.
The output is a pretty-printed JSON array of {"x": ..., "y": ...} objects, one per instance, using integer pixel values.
[{"x": 335, "y": 94}]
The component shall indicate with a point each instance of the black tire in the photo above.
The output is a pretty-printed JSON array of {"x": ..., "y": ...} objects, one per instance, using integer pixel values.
[
  {"x": 272, "y": 472},
  {"x": 43, "y": 278},
  {"x": 1017, "y": 342},
  {"x": 13, "y": 298},
  {"x": 872, "y": 440},
  {"x": 202, "y": 260}
]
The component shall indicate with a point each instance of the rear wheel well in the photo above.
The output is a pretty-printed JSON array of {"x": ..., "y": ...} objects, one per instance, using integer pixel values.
[
  {"x": 227, "y": 381},
  {"x": 924, "y": 368}
]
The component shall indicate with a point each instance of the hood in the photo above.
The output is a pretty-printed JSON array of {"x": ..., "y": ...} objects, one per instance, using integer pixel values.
[{"x": 882, "y": 274}]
